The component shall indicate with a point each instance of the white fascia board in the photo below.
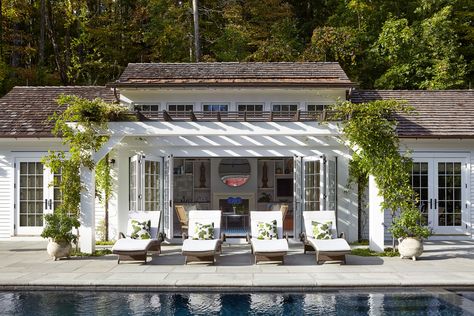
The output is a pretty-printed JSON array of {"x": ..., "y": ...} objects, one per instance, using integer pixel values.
[{"x": 222, "y": 128}]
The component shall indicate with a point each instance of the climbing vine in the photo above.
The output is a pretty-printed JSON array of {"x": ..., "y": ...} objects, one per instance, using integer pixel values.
[
  {"x": 80, "y": 124},
  {"x": 369, "y": 129}
]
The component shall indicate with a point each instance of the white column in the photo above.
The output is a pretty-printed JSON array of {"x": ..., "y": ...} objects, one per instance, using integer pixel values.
[
  {"x": 122, "y": 187},
  {"x": 376, "y": 217},
  {"x": 87, "y": 212}
]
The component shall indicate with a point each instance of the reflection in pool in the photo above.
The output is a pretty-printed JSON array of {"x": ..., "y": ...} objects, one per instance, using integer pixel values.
[{"x": 325, "y": 303}]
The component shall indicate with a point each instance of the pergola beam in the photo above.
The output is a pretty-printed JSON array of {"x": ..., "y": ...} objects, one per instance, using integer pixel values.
[{"x": 176, "y": 128}]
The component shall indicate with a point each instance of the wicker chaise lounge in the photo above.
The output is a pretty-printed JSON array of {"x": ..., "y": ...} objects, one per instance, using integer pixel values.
[
  {"x": 203, "y": 247},
  {"x": 275, "y": 247},
  {"x": 128, "y": 248},
  {"x": 334, "y": 248}
]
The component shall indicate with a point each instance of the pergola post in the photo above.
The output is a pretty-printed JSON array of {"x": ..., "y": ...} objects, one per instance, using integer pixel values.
[
  {"x": 87, "y": 212},
  {"x": 376, "y": 217}
]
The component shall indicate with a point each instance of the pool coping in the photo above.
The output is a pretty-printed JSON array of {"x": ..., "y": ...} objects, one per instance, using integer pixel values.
[{"x": 234, "y": 289}]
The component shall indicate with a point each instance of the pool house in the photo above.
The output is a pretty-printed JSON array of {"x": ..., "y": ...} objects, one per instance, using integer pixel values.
[{"x": 235, "y": 137}]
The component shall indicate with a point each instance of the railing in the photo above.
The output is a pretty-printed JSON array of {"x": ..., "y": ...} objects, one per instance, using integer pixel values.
[{"x": 238, "y": 116}]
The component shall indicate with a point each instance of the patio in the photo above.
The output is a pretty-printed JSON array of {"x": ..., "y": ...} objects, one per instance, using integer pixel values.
[{"x": 25, "y": 264}]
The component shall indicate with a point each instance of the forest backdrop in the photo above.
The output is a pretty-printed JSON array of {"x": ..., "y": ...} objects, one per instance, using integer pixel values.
[{"x": 385, "y": 44}]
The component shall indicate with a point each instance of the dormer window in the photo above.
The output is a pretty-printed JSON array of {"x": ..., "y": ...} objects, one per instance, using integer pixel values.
[{"x": 215, "y": 107}]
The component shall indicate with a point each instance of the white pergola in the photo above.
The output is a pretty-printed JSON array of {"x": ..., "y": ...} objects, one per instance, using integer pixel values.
[{"x": 229, "y": 138}]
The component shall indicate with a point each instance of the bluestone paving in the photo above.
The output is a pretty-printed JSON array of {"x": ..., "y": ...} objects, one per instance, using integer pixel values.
[{"x": 26, "y": 263}]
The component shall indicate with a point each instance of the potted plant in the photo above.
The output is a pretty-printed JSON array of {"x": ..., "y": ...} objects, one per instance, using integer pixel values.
[
  {"x": 58, "y": 230},
  {"x": 410, "y": 232}
]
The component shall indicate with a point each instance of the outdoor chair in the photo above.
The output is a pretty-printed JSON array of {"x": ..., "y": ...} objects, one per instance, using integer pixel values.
[
  {"x": 204, "y": 241},
  {"x": 136, "y": 243},
  {"x": 327, "y": 244},
  {"x": 182, "y": 217},
  {"x": 284, "y": 211},
  {"x": 266, "y": 239}
]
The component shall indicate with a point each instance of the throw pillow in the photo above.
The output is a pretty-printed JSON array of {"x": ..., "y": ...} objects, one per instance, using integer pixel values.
[
  {"x": 140, "y": 230},
  {"x": 203, "y": 231},
  {"x": 267, "y": 230},
  {"x": 322, "y": 230}
]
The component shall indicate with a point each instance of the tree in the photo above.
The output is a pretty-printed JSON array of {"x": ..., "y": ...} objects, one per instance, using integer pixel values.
[{"x": 423, "y": 55}]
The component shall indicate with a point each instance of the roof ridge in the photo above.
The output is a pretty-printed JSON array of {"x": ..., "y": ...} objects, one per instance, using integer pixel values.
[
  {"x": 407, "y": 90},
  {"x": 235, "y": 62},
  {"x": 60, "y": 87}
]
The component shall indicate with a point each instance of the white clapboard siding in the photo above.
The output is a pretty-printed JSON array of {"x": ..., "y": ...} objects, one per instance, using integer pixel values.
[
  {"x": 471, "y": 197},
  {"x": 99, "y": 216},
  {"x": 387, "y": 222},
  {"x": 6, "y": 198}
]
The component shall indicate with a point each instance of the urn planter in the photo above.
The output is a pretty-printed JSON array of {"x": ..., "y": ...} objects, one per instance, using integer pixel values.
[
  {"x": 59, "y": 250},
  {"x": 410, "y": 247}
]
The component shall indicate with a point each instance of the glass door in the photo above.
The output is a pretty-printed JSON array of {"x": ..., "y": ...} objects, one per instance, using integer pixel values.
[
  {"x": 449, "y": 191},
  {"x": 441, "y": 185},
  {"x": 313, "y": 183},
  {"x": 35, "y": 196}
]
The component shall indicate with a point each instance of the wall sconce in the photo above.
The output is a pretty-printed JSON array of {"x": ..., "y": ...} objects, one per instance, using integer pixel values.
[{"x": 112, "y": 162}]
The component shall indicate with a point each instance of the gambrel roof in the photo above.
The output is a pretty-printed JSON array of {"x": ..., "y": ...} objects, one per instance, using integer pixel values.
[
  {"x": 234, "y": 74},
  {"x": 437, "y": 113}
]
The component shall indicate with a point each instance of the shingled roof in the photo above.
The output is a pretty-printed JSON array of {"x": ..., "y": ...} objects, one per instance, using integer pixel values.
[
  {"x": 437, "y": 114},
  {"x": 234, "y": 74},
  {"x": 24, "y": 111}
]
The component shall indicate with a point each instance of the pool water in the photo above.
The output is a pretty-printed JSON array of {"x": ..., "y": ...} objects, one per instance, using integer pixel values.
[{"x": 325, "y": 303}]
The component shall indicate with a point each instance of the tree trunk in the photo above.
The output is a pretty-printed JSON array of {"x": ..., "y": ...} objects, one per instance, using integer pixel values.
[
  {"x": 1, "y": 31},
  {"x": 57, "y": 53},
  {"x": 197, "y": 44},
  {"x": 42, "y": 32}
]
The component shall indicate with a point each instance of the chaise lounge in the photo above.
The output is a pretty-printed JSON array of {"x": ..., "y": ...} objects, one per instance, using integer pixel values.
[
  {"x": 321, "y": 236},
  {"x": 267, "y": 240},
  {"x": 204, "y": 241},
  {"x": 142, "y": 236}
]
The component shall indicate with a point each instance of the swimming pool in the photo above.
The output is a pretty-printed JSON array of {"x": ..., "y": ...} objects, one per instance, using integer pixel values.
[{"x": 324, "y": 303}]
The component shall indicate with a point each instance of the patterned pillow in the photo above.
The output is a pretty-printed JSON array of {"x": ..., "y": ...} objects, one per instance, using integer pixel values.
[
  {"x": 322, "y": 230},
  {"x": 203, "y": 231},
  {"x": 267, "y": 230},
  {"x": 140, "y": 230}
]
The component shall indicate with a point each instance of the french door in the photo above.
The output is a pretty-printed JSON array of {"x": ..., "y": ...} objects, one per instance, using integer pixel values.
[
  {"x": 441, "y": 185},
  {"x": 35, "y": 195},
  {"x": 315, "y": 187},
  {"x": 146, "y": 184}
]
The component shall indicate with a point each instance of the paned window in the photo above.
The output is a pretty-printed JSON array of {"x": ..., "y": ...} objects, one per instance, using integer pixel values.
[
  {"x": 180, "y": 107},
  {"x": 250, "y": 107},
  {"x": 317, "y": 107},
  {"x": 147, "y": 107},
  {"x": 284, "y": 107},
  {"x": 215, "y": 107}
]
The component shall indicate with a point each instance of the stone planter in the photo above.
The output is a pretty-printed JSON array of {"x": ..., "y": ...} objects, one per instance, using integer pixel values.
[
  {"x": 410, "y": 247},
  {"x": 59, "y": 250}
]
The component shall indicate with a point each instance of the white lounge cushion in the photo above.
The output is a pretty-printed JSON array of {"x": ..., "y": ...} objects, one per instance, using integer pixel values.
[
  {"x": 272, "y": 245},
  {"x": 190, "y": 245},
  {"x": 328, "y": 245},
  {"x": 127, "y": 244}
]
